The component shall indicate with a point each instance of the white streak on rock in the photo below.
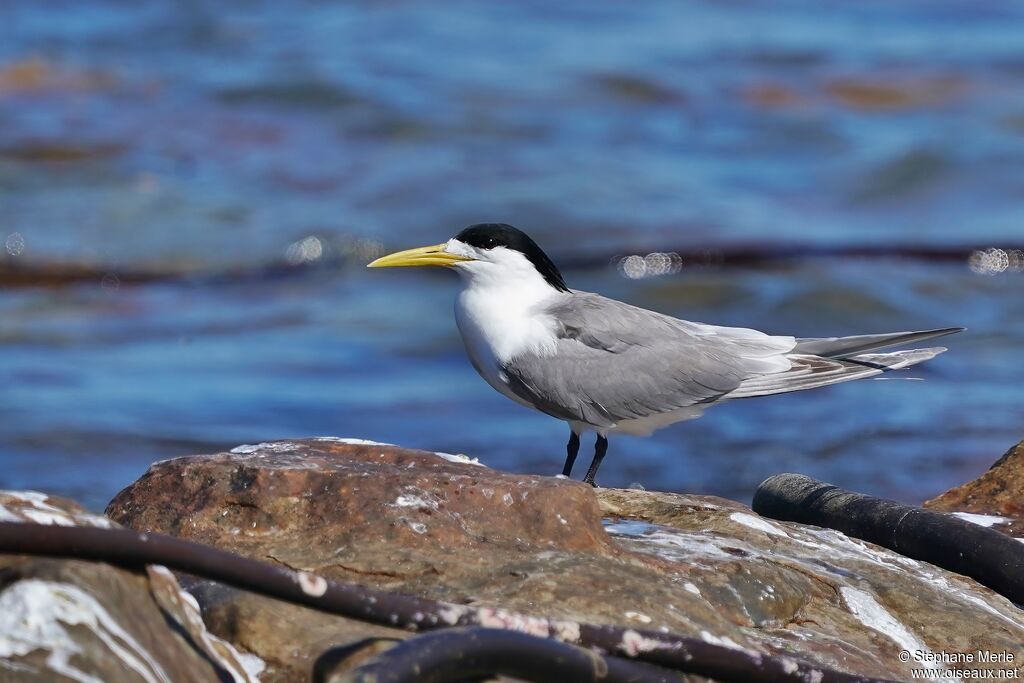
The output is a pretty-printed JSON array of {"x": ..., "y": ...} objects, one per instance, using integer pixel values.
[
  {"x": 267, "y": 446},
  {"x": 32, "y": 506},
  {"x": 692, "y": 588},
  {"x": 33, "y": 614},
  {"x": 868, "y": 612},
  {"x": 48, "y": 518},
  {"x": 758, "y": 523},
  {"x": 413, "y": 501},
  {"x": 252, "y": 664},
  {"x": 244, "y": 668},
  {"x": 722, "y": 641},
  {"x": 351, "y": 440},
  {"x": 460, "y": 458},
  {"x": 637, "y": 616},
  {"x": 7, "y": 516},
  {"x": 981, "y": 520}
]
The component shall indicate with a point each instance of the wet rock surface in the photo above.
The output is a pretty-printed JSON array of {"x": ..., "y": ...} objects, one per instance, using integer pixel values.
[
  {"x": 442, "y": 527},
  {"x": 995, "y": 499},
  {"x": 87, "y": 621}
]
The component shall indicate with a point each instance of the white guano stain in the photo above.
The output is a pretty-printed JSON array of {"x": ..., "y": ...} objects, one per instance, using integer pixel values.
[
  {"x": 32, "y": 506},
  {"x": 34, "y": 614},
  {"x": 459, "y": 458},
  {"x": 251, "y": 664},
  {"x": 351, "y": 440},
  {"x": 869, "y": 612},
  {"x": 243, "y": 667},
  {"x": 638, "y": 616},
  {"x": 451, "y": 457},
  {"x": 981, "y": 520},
  {"x": 266, "y": 447},
  {"x": 7, "y": 516},
  {"x": 407, "y": 500},
  {"x": 691, "y": 588},
  {"x": 723, "y": 641},
  {"x": 758, "y": 523}
]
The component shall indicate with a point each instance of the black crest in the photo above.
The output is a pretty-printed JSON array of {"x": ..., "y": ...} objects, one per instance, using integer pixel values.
[{"x": 491, "y": 235}]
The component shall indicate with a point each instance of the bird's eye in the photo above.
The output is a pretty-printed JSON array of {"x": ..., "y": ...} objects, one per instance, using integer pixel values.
[{"x": 490, "y": 243}]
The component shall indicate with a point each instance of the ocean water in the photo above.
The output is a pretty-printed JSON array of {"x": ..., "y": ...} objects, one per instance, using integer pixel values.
[{"x": 189, "y": 193}]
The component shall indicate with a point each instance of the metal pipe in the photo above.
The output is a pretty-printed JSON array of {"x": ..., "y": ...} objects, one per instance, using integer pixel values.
[
  {"x": 458, "y": 654},
  {"x": 986, "y": 555}
]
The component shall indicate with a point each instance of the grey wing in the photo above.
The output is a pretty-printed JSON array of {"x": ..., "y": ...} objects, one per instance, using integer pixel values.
[{"x": 615, "y": 362}]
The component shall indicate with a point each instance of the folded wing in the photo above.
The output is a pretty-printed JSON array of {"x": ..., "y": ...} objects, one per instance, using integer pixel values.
[{"x": 616, "y": 362}]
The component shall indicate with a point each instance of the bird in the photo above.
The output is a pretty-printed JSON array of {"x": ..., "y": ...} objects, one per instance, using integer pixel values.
[{"x": 605, "y": 366}]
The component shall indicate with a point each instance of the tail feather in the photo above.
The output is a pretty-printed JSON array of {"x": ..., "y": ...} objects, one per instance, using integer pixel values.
[
  {"x": 812, "y": 371},
  {"x": 849, "y": 347}
]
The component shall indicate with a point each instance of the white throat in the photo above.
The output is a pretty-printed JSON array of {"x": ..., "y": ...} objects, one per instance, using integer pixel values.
[{"x": 500, "y": 310}]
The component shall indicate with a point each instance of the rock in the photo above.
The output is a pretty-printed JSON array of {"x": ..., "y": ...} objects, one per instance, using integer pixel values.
[
  {"x": 995, "y": 499},
  {"x": 435, "y": 526},
  {"x": 289, "y": 638},
  {"x": 63, "y": 619},
  {"x": 882, "y": 93}
]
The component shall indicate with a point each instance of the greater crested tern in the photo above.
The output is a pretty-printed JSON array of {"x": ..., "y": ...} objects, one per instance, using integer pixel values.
[{"x": 606, "y": 366}]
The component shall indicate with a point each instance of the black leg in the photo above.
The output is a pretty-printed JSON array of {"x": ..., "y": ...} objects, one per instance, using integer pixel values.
[
  {"x": 600, "y": 448},
  {"x": 571, "y": 450}
]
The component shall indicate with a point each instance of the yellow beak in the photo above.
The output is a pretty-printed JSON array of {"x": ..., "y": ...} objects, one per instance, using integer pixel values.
[{"x": 420, "y": 256}]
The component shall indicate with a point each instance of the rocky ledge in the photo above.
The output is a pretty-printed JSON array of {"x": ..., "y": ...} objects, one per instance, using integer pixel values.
[
  {"x": 85, "y": 621},
  {"x": 995, "y": 499},
  {"x": 445, "y": 527}
]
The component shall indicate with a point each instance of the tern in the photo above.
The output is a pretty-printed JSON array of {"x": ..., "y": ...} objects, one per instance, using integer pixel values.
[{"x": 605, "y": 366}]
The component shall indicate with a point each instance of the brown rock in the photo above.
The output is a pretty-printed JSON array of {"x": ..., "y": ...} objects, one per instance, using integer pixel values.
[
  {"x": 886, "y": 92},
  {"x": 64, "y": 620},
  {"x": 290, "y": 638},
  {"x": 998, "y": 494},
  {"x": 418, "y": 523}
]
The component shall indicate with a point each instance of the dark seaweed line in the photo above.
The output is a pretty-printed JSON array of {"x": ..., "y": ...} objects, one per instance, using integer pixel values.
[
  {"x": 18, "y": 273},
  {"x": 133, "y": 549}
]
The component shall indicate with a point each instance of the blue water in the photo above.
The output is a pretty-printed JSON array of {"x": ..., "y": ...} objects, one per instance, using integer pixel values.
[{"x": 205, "y": 139}]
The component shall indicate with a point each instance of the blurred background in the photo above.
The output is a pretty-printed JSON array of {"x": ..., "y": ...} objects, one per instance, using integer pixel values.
[{"x": 189, "y": 192}]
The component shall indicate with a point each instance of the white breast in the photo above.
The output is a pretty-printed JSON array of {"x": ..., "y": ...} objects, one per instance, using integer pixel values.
[{"x": 498, "y": 323}]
